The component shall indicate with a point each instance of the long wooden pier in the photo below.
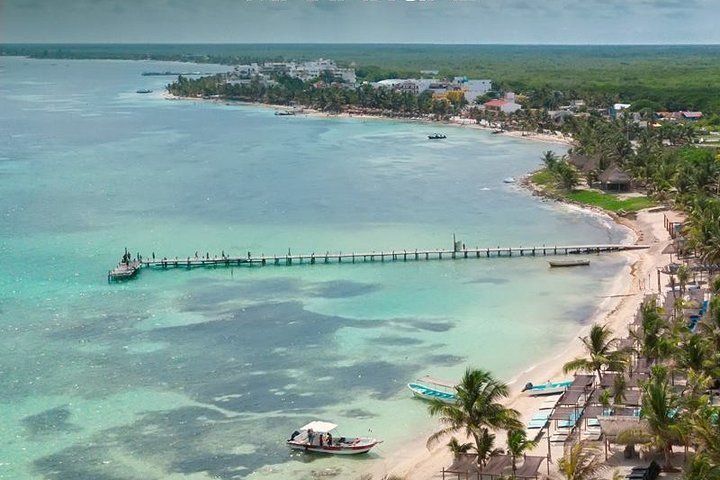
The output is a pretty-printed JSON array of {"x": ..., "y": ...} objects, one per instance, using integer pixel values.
[{"x": 364, "y": 257}]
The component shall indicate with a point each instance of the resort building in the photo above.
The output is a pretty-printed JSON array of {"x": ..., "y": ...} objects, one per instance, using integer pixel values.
[
  {"x": 471, "y": 89},
  {"x": 504, "y": 105},
  {"x": 305, "y": 71}
]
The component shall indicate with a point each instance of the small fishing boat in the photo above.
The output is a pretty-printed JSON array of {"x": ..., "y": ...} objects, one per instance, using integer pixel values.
[
  {"x": 430, "y": 388},
  {"x": 576, "y": 262},
  {"x": 436, "y": 136},
  {"x": 548, "y": 388},
  {"x": 143, "y": 90},
  {"x": 509, "y": 180},
  {"x": 284, "y": 113},
  {"x": 316, "y": 437}
]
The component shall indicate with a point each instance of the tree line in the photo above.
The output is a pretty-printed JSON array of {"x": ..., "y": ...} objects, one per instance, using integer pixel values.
[{"x": 331, "y": 97}]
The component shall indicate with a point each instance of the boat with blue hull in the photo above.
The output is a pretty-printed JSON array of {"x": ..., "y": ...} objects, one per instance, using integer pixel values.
[
  {"x": 547, "y": 388},
  {"x": 429, "y": 388}
]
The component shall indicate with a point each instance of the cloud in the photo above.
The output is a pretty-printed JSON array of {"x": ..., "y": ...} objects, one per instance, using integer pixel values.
[{"x": 332, "y": 21}]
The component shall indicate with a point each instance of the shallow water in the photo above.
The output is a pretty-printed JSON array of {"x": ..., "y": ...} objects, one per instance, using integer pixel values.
[{"x": 203, "y": 373}]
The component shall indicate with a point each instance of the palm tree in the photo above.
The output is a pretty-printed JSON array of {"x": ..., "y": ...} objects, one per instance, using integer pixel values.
[
  {"x": 660, "y": 411},
  {"x": 705, "y": 432},
  {"x": 476, "y": 411},
  {"x": 581, "y": 461},
  {"x": 458, "y": 448},
  {"x": 517, "y": 445},
  {"x": 650, "y": 333},
  {"x": 550, "y": 159},
  {"x": 683, "y": 276},
  {"x": 619, "y": 389},
  {"x": 600, "y": 347},
  {"x": 486, "y": 448}
]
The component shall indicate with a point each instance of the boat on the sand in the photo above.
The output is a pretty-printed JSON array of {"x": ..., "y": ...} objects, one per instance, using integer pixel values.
[
  {"x": 547, "y": 388},
  {"x": 316, "y": 437},
  {"x": 429, "y": 388},
  {"x": 575, "y": 262}
]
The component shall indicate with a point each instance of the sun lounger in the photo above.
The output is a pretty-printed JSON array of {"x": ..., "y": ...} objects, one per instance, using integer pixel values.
[
  {"x": 536, "y": 424},
  {"x": 592, "y": 434},
  {"x": 541, "y": 416},
  {"x": 570, "y": 422},
  {"x": 550, "y": 403}
]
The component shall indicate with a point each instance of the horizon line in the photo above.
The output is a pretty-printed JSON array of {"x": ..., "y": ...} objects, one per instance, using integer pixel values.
[{"x": 378, "y": 43}]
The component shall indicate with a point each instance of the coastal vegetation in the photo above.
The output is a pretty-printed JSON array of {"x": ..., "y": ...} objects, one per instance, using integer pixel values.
[
  {"x": 476, "y": 413},
  {"x": 678, "y": 77},
  {"x": 330, "y": 98},
  {"x": 581, "y": 461}
]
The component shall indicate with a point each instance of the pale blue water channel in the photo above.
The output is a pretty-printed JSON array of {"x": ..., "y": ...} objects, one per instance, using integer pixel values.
[{"x": 204, "y": 373}]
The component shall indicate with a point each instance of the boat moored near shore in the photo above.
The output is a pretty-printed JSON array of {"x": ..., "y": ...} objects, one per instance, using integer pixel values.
[
  {"x": 577, "y": 262},
  {"x": 429, "y": 388},
  {"x": 316, "y": 437},
  {"x": 547, "y": 388}
]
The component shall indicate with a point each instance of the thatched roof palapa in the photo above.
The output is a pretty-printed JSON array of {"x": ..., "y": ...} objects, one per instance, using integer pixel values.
[{"x": 615, "y": 175}]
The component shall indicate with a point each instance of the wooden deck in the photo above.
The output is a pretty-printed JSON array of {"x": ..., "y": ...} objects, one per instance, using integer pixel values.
[{"x": 123, "y": 271}]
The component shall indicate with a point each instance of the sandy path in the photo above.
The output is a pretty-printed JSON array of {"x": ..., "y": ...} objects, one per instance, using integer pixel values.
[{"x": 415, "y": 462}]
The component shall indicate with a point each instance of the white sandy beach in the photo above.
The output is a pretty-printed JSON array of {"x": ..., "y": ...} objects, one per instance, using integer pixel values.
[{"x": 416, "y": 462}]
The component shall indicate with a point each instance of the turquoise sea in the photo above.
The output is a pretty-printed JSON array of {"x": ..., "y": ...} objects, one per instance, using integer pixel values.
[{"x": 204, "y": 373}]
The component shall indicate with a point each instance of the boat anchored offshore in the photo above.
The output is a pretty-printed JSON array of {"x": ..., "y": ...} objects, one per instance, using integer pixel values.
[
  {"x": 436, "y": 136},
  {"x": 575, "y": 262},
  {"x": 316, "y": 437},
  {"x": 429, "y": 388},
  {"x": 143, "y": 90},
  {"x": 548, "y": 388}
]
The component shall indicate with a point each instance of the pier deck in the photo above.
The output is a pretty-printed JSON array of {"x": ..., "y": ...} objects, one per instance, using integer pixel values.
[{"x": 128, "y": 271}]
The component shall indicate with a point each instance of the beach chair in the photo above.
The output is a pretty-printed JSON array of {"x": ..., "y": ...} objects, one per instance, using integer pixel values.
[
  {"x": 535, "y": 424},
  {"x": 593, "y": 422},
  {"x": 541, "y": 416},
  {"x": 550, "y": 403}
]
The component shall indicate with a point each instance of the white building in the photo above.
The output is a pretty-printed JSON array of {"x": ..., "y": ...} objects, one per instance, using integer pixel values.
[{"x": 475, "y": 88}]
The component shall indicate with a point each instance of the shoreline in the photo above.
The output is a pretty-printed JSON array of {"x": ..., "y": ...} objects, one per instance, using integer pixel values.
[
  {"x": 616, "y": 310},
  {"x": 454, "y": 122}
]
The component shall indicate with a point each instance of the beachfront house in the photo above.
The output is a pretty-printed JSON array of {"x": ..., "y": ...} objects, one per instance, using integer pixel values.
[{"x": 504, "y": 105}]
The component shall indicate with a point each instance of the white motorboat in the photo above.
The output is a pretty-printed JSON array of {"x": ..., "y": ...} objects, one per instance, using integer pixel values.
[{"x": 316, "y": 437}]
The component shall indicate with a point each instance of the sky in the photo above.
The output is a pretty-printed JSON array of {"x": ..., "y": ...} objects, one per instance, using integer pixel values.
[{"x": 361, "y": 21}]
